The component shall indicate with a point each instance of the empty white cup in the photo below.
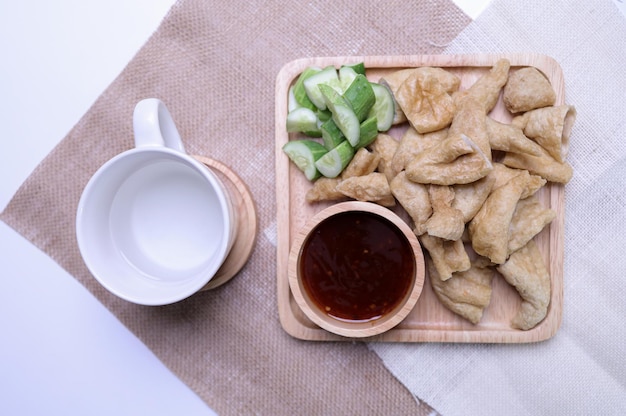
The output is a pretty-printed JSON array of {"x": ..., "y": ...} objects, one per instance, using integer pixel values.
[{"x": 153, "y": 224}]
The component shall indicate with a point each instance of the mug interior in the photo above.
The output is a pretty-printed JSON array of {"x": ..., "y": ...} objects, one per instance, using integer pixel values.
[{"x": 153, "y": 227}]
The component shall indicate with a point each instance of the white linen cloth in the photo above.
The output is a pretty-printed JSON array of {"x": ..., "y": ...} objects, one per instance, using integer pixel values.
[{"x": 582, "y": 369}]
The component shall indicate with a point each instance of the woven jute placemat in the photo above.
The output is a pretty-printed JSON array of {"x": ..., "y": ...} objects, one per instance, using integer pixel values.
[{"x": 214, "y": 64}]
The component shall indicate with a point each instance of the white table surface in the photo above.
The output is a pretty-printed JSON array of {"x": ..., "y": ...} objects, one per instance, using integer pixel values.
[{"x": 61, "y": 351}]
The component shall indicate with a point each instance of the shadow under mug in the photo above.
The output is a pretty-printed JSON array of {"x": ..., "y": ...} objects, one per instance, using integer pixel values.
[{"x": 153, "y": 224}]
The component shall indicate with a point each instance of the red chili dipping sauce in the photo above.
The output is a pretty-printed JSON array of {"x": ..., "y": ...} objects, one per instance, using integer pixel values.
[{"x": 357, "y": 266}]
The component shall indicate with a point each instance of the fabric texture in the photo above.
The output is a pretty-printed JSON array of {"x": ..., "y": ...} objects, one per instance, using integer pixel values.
[
  {"x": 582, "y": 369},
  {"x": 214, "y": 64}
]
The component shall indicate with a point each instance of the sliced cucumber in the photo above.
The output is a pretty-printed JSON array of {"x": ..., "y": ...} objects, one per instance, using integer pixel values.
[
  {"x": 346, "y": 76},
  {"x": 359, "y": 67},
  {"x": 384, "y": 109},
  {"x": 333, "y": 162},
  {"x": 368, "y": 133},
  {"x": 342, "y": 107},
  {"x": 304, "y": 153},
  {"x": 324, "y": 115},
  {"x": 343, "y": 115},
  {"x": 292, "y": 104},
  {"x": 327, "y": 76},
  {"x": 299, "y": 92},
  {"x": 331, "y": 135},
  {"x": 302, "y": 120},
  {"x": 360, "y": 95}
]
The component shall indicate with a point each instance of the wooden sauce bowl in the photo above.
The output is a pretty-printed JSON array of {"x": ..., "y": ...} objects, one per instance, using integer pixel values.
[{"x": 356, "y": 269}]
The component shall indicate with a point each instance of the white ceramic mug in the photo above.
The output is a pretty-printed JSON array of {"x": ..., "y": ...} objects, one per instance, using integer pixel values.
[{"x": 153, "y": 224}]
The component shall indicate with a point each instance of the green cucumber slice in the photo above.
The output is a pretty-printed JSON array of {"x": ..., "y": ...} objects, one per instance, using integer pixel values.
[
  {"x": 299, "y": 92},
  {"x": 359, "y": 67},
  {"x": 368, "y": 133},
  {"x": 334, "y": 162},
  {"x": 313, "y": 133},
  {"x": 384, "y": 109},
  {"x": 331, "y": 135},
  {"x": 324, "y": 115},
  {"x": 292, "y": 104},
  {"x": 346, "y": 76},
  {"x": 304, "y": 153},
  {"x": 360, "y": 95},
  {"x": 302, "y": 120},
  {"x": 343, "y": 115},
  {"x": 327, "y": 76}
]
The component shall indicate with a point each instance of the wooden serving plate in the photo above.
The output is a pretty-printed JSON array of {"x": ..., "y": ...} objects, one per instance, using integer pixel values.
[{"x": 429, "y": 321}]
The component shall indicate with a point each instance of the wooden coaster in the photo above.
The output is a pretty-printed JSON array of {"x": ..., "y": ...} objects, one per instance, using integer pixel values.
[{"x": 243, "y": 204}]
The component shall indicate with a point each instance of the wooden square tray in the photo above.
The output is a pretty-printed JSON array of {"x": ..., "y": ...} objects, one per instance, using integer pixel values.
[{"x": 429, "y": 321}]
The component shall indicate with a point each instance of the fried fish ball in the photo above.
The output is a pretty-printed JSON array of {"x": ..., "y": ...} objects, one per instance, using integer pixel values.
[
  {"x": 414, "y": 198},
  {"x": 503, "y": 174},
  {"x": 455, "y": 160},
  {"x": 509, "y": 138},
  {"x": 446, "y": 222},
  {"x": 469, "y": 120},
  {"x": 489, "y": 229},
  {"x": 468, "y": 198},
  {"x": 463, "y": 157},
  {"x": 526, "y": 271},
  {"x": 466, "y": 293},
  {"x": 412, "y": 143},
  {"x": 393, "y": 80},
  {"x": 487, "y": 88},
  {"x": 529, "y": 218},
  {"x": 385, "y": 147},
  {"x": 447, "y": 79},
  {"x": 363, "y": 162},
  {"x": 527, "y": 89},
  {"x": 425, "y": 102},
  {"x": 373, "y": 187},
  {"x": 550, "y": 127},
  {"x": 448, "y": 256},
  {"x": 543, "y": 165},
  {"x": 324, "y": 189}
]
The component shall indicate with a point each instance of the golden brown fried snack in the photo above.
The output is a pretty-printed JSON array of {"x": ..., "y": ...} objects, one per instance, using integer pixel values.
[
  {"x": 466, "y": 293},
  {"x": 414, "y": 198},
  {"x": 509, "y": 138},
  {"x": 503, "y": 174},
  {"x": 529, "y": 218},
  {"x": 543, "y": 165},
  {"x": 446, "y": 222},
  {"x": 385, "y": 147},
  {"x": 470, "y": 197},
  {"x": 526, "y": 271},
  {"x": 550, "y": 127},
  {"x": 449, "y": 81},
  {"x": 489, "y": 229},
  {"x": 487, "y": 88},
  {"x": 413, "y": 143},
  {"x": 324, "y": 189},
  {"x": 455, "y": 160},
  {"x": 363, "y": 162},
  {"x": 425, "y": 102},
  {"x": 527, "y": 89},
  {"x": 372, "y": 187},
  {"x": 469, "y": 120},
  {"x": 447, "y": 256}
]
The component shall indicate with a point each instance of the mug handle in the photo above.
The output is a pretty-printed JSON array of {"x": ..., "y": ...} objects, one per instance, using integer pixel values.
[{"x": 153, "y": 125}]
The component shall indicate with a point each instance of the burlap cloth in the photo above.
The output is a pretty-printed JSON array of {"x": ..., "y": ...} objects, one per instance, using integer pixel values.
[{"x": 215, "y": 64}]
